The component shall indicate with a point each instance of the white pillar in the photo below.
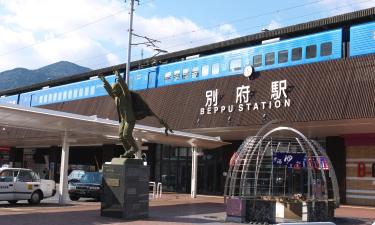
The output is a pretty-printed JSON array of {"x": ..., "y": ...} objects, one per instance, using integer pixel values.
[
  {"x": 194, "y": 171},
  {"x": 63, "y": 186}
]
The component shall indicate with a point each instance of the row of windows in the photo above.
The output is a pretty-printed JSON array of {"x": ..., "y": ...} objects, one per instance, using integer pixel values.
[
  {"x": 66, "y": 95},
  {"x": 9, "y": 101},
  {"x": 283, "y": 55},
  {"x": 236, "y": 64}
]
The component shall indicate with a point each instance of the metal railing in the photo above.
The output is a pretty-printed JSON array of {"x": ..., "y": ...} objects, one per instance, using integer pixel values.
[{"x": 157, "y": 189}]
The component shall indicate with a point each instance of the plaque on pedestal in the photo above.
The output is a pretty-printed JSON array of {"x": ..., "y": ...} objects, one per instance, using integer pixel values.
[{"x": 125, "y": 189}]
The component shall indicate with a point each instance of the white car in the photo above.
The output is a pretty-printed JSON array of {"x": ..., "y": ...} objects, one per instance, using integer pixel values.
[{"x": 24, "y": 184}]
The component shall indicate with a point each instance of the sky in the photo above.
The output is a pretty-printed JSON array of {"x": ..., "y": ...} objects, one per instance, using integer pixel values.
[{"x": 94, "y": 33}]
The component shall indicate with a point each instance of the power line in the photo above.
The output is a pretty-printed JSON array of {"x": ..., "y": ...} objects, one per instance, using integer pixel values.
[
  {"x": 260, "y": 26},
  {"x": 200, "y": 40},
  {"x": 243, "y": 19}
]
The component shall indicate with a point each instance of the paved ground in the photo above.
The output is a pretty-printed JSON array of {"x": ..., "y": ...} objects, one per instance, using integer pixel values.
[{"x": 171, "y": 209}]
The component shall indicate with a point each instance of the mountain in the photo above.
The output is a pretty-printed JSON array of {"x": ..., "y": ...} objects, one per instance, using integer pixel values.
[{"x": 21, "y": 77}]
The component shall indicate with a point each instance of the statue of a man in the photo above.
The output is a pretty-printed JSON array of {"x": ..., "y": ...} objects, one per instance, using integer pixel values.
[{"x": 128, "y": 112}]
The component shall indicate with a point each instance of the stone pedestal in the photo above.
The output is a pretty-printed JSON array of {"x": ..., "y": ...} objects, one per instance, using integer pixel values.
[
  {"x": 125, "y": 189},
  {"x": 261, "y": 211},
  {"x": 236, "y": 210},
  {"x": 318, "y": 211}
]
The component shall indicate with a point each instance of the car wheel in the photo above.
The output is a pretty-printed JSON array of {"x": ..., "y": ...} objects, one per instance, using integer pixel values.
[
  {"x": 73, "y": 198},
  {"x": 13, "y": 202},
  {"x": 36, "y": 197}
]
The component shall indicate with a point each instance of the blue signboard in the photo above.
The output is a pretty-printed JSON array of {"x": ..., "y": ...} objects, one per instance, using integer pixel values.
[
  {"x": 291, "y": 160},
  {"x": 299, "y": 160}
]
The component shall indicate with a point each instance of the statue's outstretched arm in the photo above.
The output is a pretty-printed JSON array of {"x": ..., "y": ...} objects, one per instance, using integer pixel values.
[
  {"x": 165, "y": 125},
  {"x": 107, "y": 86},
  {"x": 122, "y": 83}
]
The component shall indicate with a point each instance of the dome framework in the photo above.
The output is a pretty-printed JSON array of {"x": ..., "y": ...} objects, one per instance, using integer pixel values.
[{"x": 282, "y": 173}]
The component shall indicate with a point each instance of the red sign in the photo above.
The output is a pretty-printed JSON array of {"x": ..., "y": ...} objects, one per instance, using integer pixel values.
[
  {"x": 361, "y": 169},
  {"x": 4, "y": 149}
]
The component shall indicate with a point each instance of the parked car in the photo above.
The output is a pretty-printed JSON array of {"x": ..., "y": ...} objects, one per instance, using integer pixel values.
[
  {"x": 89, "y": 186},
  {"x": 75, "y": 176},
  {"x": 23, "y": 184}
]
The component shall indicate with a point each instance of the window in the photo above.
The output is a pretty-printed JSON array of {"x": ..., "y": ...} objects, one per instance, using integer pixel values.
[
  {"x": 35, "y": 177},
  {"x": 75, "y": 93},
  {"x": 167, "y": 76},
  {"x": 176, "y": 75},
  {"x": 80, "y": 92},
  {"x": 195, "y": 72},
  {"x": 185, "y": 74},
  {"x": 310, "y": 51},
  {"x": 283, "y": 56},
  {"x": 235, "y": 64},
  {"x": 59, "y": 96},
  {"x": 45, "y": 98},
  {"x": 55, "y": 96},
  {"x": 24, "y": 176},
  {"x": 40, "y": 99},
  {"x": 205, "y": 70},
  {"x": 49, "y": 97},
  {"x": 65, "y": 94},
  {"x": 215, "y": 69},
  {"x": 70, "y": 94},
  {"x": 6, "y": 176},
  {"x": 270, "y": 58},
  {"x": 257, "y": 60},
  {"x": 92, "y": 90},
  {"x": 296, "y": 54},
  {"x": 87, "y": 89},
  {"x": 326, "y": 49}
]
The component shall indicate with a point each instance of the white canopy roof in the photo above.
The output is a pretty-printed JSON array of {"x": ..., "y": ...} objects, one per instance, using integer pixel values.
[{"x": 43, "y": 127}]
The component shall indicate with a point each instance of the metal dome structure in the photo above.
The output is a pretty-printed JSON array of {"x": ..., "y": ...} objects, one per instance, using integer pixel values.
[{"x": 282, "y": 173}]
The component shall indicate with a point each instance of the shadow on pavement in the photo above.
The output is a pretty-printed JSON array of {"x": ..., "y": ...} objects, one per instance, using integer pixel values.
[
  {"x": 351, "y": 221},
  {"x": 42, "y": 204},
  {"x": 182, "y": 213},
  {"x": 197, "y": 213}
]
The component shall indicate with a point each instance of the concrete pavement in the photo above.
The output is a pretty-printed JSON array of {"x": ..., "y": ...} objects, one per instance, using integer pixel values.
[{"x": 170, "y": 209}]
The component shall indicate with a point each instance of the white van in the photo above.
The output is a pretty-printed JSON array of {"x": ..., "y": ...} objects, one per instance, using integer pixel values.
[{"x": 24, "y": 184}]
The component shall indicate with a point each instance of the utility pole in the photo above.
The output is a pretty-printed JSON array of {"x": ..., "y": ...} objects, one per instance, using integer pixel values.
[
  {"x": 149, "y": 42},
  {"x": 130, "y": 41}
]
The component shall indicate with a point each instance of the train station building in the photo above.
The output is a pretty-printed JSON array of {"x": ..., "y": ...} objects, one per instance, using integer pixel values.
[{"x": 330, "y": 98}]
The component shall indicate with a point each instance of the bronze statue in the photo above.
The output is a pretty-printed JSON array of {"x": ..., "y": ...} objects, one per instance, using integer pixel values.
[{"x": 130, "y": 107}]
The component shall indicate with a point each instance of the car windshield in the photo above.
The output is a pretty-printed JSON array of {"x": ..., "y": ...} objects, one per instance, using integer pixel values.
[{"x": 92, "y": 177}]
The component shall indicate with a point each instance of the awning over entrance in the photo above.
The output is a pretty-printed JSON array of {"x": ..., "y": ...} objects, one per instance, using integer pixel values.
[
  {"x": 29, "y": 126},
  {"x": 47, "y": 127}
]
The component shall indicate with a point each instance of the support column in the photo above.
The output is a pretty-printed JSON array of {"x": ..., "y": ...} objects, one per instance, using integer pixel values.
[
  {"x": 194, "y": 171},
  {"x": 54, "y": 159},
  {"x": 12, "y": 156},
  {"x": 63, "y": 186}
]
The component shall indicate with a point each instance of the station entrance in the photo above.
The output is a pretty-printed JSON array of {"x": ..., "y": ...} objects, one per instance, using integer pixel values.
[{"x": 53, "y": 128}]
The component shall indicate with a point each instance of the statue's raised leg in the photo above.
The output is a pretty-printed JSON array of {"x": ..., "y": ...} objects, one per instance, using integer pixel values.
[{"x": 127, "y": 136}]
